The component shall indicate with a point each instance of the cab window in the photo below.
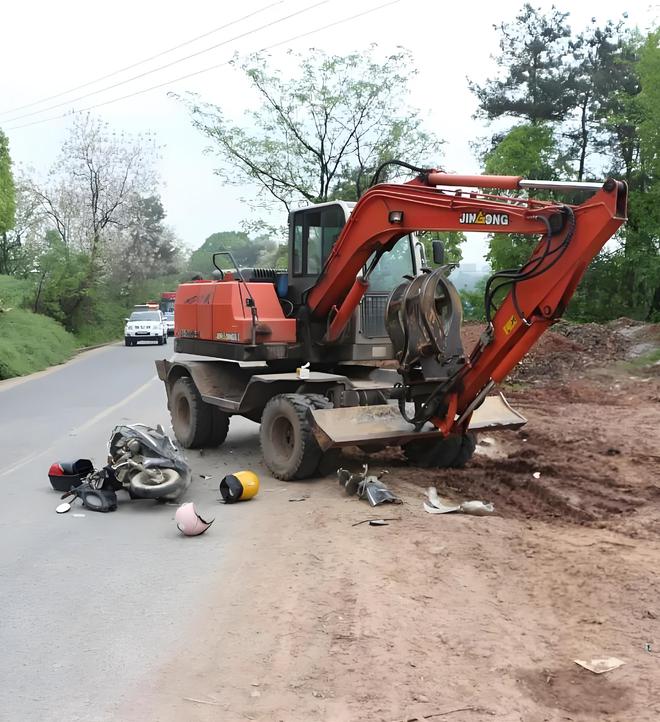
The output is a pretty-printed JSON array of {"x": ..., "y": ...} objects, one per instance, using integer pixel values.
[
  {"x": 314, "y": 233},
  {"x": 392, "y": 267}
]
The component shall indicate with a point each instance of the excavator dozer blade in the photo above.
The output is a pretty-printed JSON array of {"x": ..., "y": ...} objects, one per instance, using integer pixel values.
[{"x": 383, "y": 424}]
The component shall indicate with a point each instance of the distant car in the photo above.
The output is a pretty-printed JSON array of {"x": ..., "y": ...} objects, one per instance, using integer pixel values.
[
  {"x": 169, "y": 322},
  {"x": 145, "y": 326}
]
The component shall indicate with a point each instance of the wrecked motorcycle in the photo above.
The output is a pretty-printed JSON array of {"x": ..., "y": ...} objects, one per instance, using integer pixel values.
[{"x": 145, "y": 462}]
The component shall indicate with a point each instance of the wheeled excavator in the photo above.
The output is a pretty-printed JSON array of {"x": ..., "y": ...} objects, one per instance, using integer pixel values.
[{"x": 326, "y": 354}]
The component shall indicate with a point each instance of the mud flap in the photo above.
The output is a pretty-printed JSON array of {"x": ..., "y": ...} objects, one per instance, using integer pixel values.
[{"x": 383, "y": 424}]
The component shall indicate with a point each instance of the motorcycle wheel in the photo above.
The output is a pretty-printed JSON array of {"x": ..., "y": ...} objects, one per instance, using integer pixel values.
[{"x": 166, "y": 483}]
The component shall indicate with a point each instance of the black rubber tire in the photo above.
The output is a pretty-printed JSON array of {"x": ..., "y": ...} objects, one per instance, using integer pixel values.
[
  {"x": 160, "y": 341},
  {"x": 128, "y": 342},
  {"x": 452, "y": 452},
  {"x": 288, "y": 446},
  {"x": 219, "y": 426},
  {"x": 191, "y": 417},
  {"x": 171, "y": 487}
]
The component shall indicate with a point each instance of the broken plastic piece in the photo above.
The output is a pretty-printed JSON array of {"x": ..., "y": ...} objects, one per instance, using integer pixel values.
[
  {"x": 436, "y": 505},
  {"x": 477, "y": 508},
  {"x": 600, "y": 665},
  {"x": 63, "y": 508}
]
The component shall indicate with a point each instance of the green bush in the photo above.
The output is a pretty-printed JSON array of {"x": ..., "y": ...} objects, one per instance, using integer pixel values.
[
  {"x": 30, "y": 342},
  {"x": 14, "y": 292}
]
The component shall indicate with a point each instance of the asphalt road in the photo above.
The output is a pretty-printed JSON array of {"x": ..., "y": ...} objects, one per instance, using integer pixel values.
[{"x": 93, "y": 603}]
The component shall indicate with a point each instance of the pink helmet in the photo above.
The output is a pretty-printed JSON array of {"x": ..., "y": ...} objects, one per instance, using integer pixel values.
[{"x": 189, "y": 522}]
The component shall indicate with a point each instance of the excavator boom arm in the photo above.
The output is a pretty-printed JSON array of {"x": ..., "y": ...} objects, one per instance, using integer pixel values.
[{"x": 538, "y": 293}]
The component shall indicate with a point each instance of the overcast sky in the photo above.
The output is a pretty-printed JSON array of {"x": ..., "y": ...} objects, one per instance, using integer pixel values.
[{"x": 49, "y": 47}]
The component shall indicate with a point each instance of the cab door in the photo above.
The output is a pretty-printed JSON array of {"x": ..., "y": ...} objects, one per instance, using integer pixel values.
[{"x": 312, "y": 234}]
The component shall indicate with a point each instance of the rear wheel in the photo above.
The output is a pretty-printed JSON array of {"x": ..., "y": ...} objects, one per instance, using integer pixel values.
[
  {"x": 191, "y": 417},
  {"x": 287, "y": 442},
  {"x": 451, "y": 452}
]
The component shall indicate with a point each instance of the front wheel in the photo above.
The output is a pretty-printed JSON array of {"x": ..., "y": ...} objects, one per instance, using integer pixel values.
[
  {"x": 128, "y": 342},
  {"x": 287, "y": 441},
  {"x": 191, "y": 417},
  {"x": 156, "y": 484}
]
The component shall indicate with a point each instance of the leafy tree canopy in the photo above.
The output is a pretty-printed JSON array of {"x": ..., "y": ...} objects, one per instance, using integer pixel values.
[{"x": 319, "y": 134}]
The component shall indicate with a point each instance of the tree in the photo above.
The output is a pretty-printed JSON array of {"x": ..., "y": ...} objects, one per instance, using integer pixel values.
[
  {"x": 146, "y": 248},
  {"x": 86, "y": 199},
  {"x": 604, "y": 67},
  {"x": 7, "y": 202},
  {"x": 247, "y": 252},
  {"x": 532, "y": 152},
  {"x": 642, "y": 236},
  {"x": 537, "y": 83},
  {"x": 16, "y": 242},
  {"x": 320, "y": 133}
]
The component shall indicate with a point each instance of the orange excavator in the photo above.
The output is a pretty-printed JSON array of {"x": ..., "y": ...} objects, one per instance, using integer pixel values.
[{"x": 359, "y": 343}]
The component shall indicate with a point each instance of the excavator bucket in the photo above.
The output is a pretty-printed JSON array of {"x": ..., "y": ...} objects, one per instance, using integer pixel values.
[{"x": 383, "y": 424}]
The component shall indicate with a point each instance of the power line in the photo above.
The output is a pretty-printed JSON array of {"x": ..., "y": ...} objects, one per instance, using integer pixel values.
[
  {"x": 139, "y": 62},
  {"x": 205, "y": 70},
  {"x": 168, "y": 65}
]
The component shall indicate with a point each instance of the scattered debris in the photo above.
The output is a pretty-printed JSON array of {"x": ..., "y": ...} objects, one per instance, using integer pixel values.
[
  {"x": 201, "y": 701},
  {"x": 205, "y": 476},
  {"x": 479, "y": 710},
  {"x": 367, "y": 487},
  {"x": 600, "y": 665},
  {"x": 436, "y": 505},
  {"x": 303, "y": 371},
  {"x": 304, "y": 497},
  {"x": 537, "y": 474},
  {"x": 65, "y": 475},
  {"x": 189, "y": 522},
  {"x": 477, "y": 508},
  {"x": 103, "y": 500},
  {"x": 79, "y": 516},
  {"x": 63, "y": 508},
  {"x": 377, "y": 522}
]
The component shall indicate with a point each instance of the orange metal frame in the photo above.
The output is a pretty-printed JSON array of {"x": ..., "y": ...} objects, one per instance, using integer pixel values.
[{"x": 541, "y": 300}]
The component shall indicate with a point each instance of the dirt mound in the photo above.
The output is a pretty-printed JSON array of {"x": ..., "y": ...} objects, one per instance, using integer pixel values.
[{"x": 568, "y": 347}]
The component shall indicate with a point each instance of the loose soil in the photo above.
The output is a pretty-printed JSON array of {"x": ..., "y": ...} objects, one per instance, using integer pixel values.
[{"x": 449, "y": 616}]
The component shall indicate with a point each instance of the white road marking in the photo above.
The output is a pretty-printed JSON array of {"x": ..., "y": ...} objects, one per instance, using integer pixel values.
[{"x": 77, "y": 430}]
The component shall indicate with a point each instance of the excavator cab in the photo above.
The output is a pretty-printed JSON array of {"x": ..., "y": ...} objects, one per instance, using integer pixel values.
[{"x": 313, "y": 231}]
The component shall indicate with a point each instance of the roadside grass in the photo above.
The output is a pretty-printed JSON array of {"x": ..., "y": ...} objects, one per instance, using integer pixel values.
[
  {"x": 31, "y": 342},
  {"x": 14, "y": 292}
]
